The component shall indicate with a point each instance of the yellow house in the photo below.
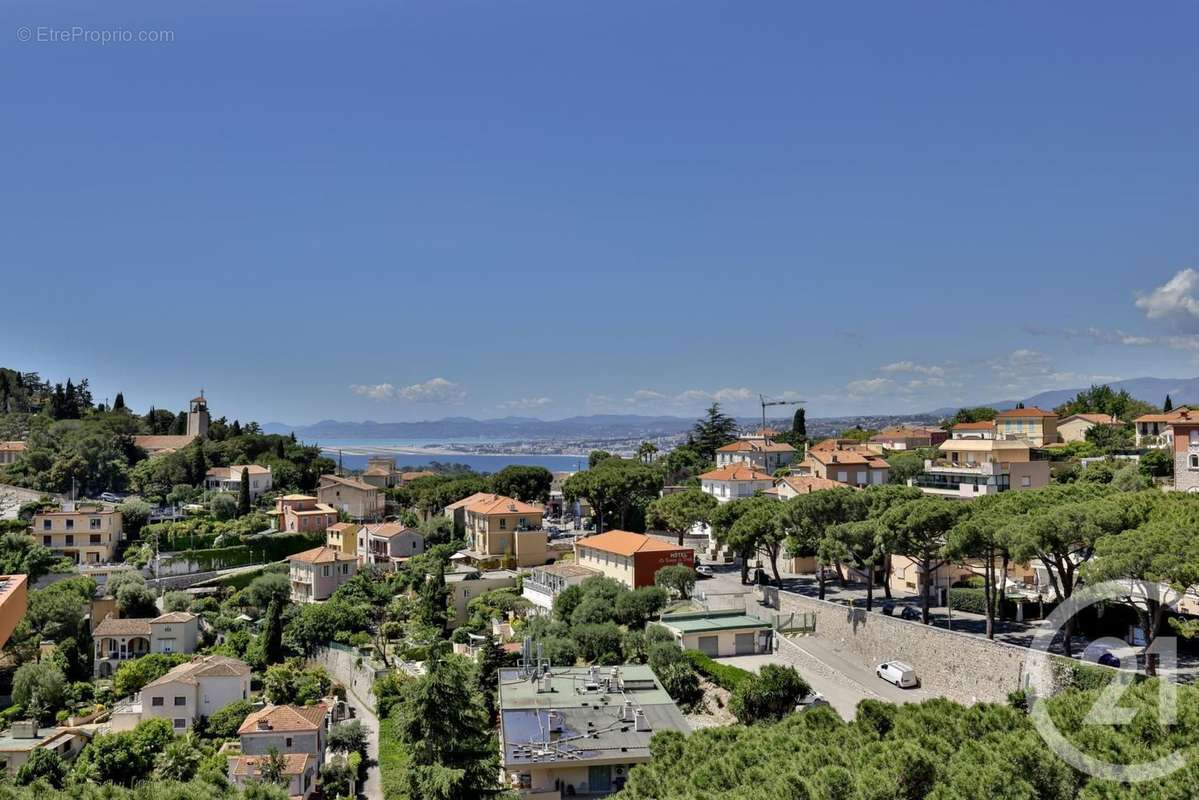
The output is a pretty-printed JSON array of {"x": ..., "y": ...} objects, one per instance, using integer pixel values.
[
  {"x": 86, "y": 533},
  {"x": 502, "y": 531},
  {"x": 1036, "y": 425},
  {"x": 343, "y": 537}
]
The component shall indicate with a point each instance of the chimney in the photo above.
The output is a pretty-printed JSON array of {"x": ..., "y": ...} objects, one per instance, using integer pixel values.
[
  {"x": 642, "y": 721},
  {"x": 25, "y": 729}
]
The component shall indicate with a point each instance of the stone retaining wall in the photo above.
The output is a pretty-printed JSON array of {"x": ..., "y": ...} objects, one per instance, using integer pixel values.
[
  {"x": 960, "y": 666},
  {"x": 351, "y": 670}
]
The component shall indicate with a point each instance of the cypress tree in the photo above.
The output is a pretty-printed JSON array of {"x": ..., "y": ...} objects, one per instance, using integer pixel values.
[
  {"x": 1168, "y": 405},
  {"x": 243, "y": 493},
  {"x": 799, "y": 423},
  {"x": 119, "y": 403}
]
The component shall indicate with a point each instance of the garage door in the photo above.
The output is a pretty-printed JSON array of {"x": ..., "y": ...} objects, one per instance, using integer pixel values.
[
  {"x": 745, "y": 644},
  {"x": 709, "y": 645}
]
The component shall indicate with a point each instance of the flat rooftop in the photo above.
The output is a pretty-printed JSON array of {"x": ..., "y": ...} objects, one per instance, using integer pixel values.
[
  {"x": 712, "y": 622},
  {"x": 577, "y": 715}
]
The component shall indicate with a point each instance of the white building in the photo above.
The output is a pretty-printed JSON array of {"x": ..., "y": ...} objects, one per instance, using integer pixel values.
[
  {"x": 543, "y": 584},
  {"x": 734, "y": 481},
  {"x": 228, "y": 479},
  {"x": 187, "y": 692}
]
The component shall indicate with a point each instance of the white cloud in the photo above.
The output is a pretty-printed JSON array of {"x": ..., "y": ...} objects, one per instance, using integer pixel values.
[
  {"x": 526, "y": 403},
  {"x": 1174, "y": 301},
  {"x": 435, "y": 390},
  {"x": 869, "y": 386},
  {"x": 375, "y": 391},
  {"x": 911, "y": 366},
  {"x": 686, "y": 399}
]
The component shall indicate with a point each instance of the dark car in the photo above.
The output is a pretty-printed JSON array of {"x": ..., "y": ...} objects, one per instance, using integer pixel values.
[{"x": 909, "y": 613}]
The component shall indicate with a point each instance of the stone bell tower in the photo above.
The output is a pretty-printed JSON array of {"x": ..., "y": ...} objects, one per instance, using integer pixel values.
[{"x": 197, "y": 417}]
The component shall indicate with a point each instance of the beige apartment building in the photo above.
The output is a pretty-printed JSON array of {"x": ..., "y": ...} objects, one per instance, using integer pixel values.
[
  {"x": 760, "y": 454},
  {"x": 10, "y": 452},
  {"x": 118, "y": 640},
  {"x": 1036, "y": 425},
  {"x": 317, "y": 573},
  {"x": 848, "y": 467},
  {"x": 502, "y": 531},
  {"x": 86, "y": 533},
  {"x": 361, "y": 501},
  {"x": 1074, "y": 427}
]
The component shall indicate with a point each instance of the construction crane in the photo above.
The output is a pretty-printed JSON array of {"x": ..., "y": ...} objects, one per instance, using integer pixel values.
[{"x": 766, "y": 401}]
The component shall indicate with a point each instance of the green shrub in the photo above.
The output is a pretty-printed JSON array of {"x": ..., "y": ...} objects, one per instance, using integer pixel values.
[{"x": 726, "y": 676}]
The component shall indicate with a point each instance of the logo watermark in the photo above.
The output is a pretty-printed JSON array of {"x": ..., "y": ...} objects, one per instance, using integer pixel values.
[
  {"x": 78, "y": 34},
  {"x": 1043, "y": 678}
]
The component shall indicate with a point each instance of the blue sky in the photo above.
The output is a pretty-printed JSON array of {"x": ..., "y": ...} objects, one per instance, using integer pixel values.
[{"x": 400, "y": 210}]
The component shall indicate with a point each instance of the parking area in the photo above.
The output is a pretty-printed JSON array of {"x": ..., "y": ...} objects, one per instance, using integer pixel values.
[{"x": 842, "y": 681}]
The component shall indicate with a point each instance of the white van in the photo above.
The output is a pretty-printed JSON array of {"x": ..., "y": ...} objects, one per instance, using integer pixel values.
[{"x": 898, "y": 673}]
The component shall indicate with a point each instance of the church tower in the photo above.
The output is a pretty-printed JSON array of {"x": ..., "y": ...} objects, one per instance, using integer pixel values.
[{"x": 197, "y": 417}]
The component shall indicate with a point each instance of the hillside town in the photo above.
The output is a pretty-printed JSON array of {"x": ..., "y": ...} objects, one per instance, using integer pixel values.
[{"x": 189, "y": 599}]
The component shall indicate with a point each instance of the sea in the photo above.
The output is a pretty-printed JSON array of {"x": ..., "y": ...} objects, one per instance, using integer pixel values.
[{"x": 415, "y": 453}]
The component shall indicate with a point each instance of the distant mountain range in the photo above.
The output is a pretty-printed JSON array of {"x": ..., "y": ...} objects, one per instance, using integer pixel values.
[
  {"x": 597, "y": 426},
  {"x": 1149, "y": 390},
  {"x": 625, "y": 426}
]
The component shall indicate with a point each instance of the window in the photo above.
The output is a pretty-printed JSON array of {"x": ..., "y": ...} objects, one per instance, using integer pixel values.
[
  {"x": 1025, "y": 481},
  {"x": 179, "y": 723},
  {"x": 180, "y": 700},
  {"x": 70, "y": 524},
  {"x": 95, "y": 538},
  {"x": 94, "y": 523},
  {"x": 45, "y": 524},
  {"x": 325, "y": 571},
  {"x": 156, "y": 701},
  {"x": 503, "y": 523},
  {"x": 1194, "y": 461},
  {"x": 287, "y": 742},
  {"x": 46, "y": 540},
  {"x": 70, "y": 539}
]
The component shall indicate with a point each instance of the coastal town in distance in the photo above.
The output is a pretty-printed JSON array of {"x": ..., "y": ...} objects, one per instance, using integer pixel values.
[{"x": 644, "y": 401}]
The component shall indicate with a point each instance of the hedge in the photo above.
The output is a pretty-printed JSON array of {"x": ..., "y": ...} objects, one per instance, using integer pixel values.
[
  {"x": 725, "y": 676},
  {"x": 393, "y": 761},
  {"x": 973, "y": 601}
]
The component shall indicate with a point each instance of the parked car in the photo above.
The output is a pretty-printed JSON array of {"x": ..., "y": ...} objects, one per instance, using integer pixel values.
[
  {"x": 1103, "y": 652},
  {"x": 811, "y": 700},
  {"x": 703, "y": 571},
  {"x": 898, "y": 673},
  {"x": 909, "y": 612},
  {"x": 109, "y": 497}
]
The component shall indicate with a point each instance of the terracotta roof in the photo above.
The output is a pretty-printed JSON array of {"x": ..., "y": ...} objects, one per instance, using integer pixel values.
[
  {"x": 338, "y": 527},
  {"x": 353, "y": 483},
  {"x": 736, "y": 472},
  {"x": 420, "y": 473},
  {"x": 378, "y": 471},
  {"x": 122, "y": 627},
  {"x": 250, "y": 766},
  {"x": 321, "y": 555},
  {"x": 498, "y": 504},
  {"x": 163, "y": 442},
  {"x": 12, "y": 447},
  {"x": 805, "y": 484},
  {"x": 827, "y": 457},
  {"x": 1169, "y": 416},
  {"x": 984, "y": 425},
  {"x": 387, "y": 529},
  {"x": 286, "y": 719},
  {"x": 175, "y": 617},
  {"x": 298, "y": 497},
  {"x": 1025, "y": 412},
  {"x": 203, "y": 667},
  {"x": 747, "y": 445},
  {"x": 840, "y": 444},
  {"x": 466, "y": 501},
  {"x": 624, "y": 543}
]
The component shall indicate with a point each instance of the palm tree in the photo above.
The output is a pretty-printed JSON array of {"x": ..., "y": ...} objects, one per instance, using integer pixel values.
[{"x": 646, "y": 451}]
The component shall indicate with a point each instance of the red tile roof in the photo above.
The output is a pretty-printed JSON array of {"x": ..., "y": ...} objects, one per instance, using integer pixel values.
[
  {"x": 736, "y": 472},
  {"x": 1025, "y": 412},
  {"x": 287, "y": 719},
  {"x": 624, "y": 543}
]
